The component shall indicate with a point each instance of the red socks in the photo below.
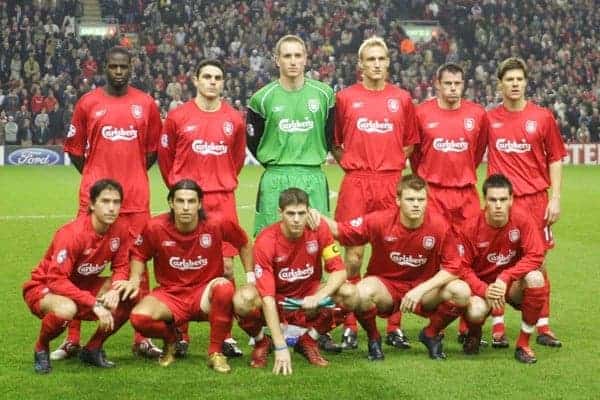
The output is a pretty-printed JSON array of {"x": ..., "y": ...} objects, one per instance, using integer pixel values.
[
  {"x": 120, "y": 316},
  {"x": 542, "y": 323},
  {"x": 443, "y": 315},
  {"x": 221, "y": 315},
  {"x": 252, "y": 323},
  {"x": 52, "y": 326},
  {"x": 533, "y": 302},
  {"x": 350, "y": 321},
  {"x": 74, "y": 332},
  {"x": 394, "y": 322},
  {"x": 153, "y": 329},
  {"x": 367, "y": 321}
]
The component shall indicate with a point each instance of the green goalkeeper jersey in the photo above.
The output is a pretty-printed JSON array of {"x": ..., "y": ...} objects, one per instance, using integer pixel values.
[{"x": 290, "y": 127}]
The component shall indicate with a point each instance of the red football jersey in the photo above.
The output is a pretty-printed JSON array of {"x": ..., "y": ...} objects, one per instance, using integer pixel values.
[
  {"x": 186, "y": 259},
  {"x": 78, "y": 255},
  {"x": 508, "y": 253},
  {"x": 399, "y": 253},
  {"x": 522, "y": 144},
  {"x": 373, "y": 127},
  {"x": 114, "y": 134},
  {"x": 452, "y": 143},
  {"x": 292, "y": 268},
  {"x": 208, "y": 147}
]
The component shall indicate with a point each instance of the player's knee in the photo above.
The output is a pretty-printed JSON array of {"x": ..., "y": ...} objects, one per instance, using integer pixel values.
[
  {"x": 245, "y": 300},
  {"x": 222, "y": 290},
  {"x": 458, "y": 292},
  {"x": 347, "y": 296},
  {"x": 477, "y": 310},
  {"x": 353, "y": 260},
  {"x": 534, "y": 279},
  {"x": 366, "y": 295},
  {"x": 66, "y": 309}
]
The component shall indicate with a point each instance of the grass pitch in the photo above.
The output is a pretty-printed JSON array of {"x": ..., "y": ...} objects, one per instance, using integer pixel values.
[{"x": 36, "y": 201}]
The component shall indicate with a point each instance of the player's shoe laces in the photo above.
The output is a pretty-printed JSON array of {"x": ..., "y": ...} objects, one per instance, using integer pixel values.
[
  {"x": 548, "y": 339},
  {"x": 349, "y": 339},
  {"x": 327, "y": 344},
  {"x": 261, "y": 351},
  {"x": 96, "y": 357},
  {"x": 397, "y": 339},
  {"x": 433, "y": 344},
  {"x": 308, "y": 347},
  {"x": 41, "y": 362},
  {"x": 525, "y": 355},
  {"x": 218, "y": 362},
  {"x": 146, "y": 349},
  {"x": 230, "y": 348},
  {"x": 375, "y": 353},
  {"x": 168, "y": 354},
  {"x": 67, "y": 349},
  {"x": 499, "y": 341}
]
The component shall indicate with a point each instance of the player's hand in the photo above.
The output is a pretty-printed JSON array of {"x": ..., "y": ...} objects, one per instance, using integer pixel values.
[
  {"x": 411, "y": 299},
  {"x": 283, "y": 362},
  {"x": 495, "y": 293},
  {"x": 105, "y": 318},
  {"x": 314, "y": 218},
  {"x": 250, "y": 278},
  {"x": 128, "y": 289},
  {"x": 552, "y": 210},
  {"x": 110, "y": 299},
  {"x": 310, "y": 303}
]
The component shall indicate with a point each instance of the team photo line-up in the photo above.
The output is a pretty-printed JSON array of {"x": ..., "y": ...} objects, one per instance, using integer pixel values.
[{"x": 435, "y": 251}]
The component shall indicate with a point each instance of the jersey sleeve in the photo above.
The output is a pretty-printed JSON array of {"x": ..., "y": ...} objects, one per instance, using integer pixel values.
[
  {"x": 77, "y": 135},
  {"x": 64, "y": 258},
  {"x": 263, "y": 268},
  {"x": 154, "y": 128},
  {"x": 553, "y": 142},
  {"x": 482, "y": 139},
  {"x": 330, "y": 251},
  {"x": 233, "y": 233},
  {"x": 120, "y": 261},
  {"x": 354, "y": 232},
  {"x": 142, "y": 249},
  {"x": 339, "y": 118},
  {"x": 167, "y": 148},
  {"x": 450, "y": 254},
  {"x": 239, "y": 145},
  {"x": 467, "y": 251},
  {"x": 411, "y": 133},
  {"x": 532, "y": 250}
]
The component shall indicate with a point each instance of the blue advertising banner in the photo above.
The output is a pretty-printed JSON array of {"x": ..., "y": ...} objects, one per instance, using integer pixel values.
[{"x": 34, "y": 155}]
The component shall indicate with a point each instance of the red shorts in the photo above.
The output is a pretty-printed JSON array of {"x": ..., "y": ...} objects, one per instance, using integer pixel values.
[
  {"x": 183, "y": 302},
  {"x": 365, "y": 192},
  {"x": 397, "y": 290},
  {"x": 535, "y": 205},
  {"x": 223, "y": 205},
  {"x": 34, "y": 292},
  {"x": 456, "y": 204}
]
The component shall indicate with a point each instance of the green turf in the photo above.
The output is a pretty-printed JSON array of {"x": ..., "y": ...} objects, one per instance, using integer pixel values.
[{"x": 36, "y": 201}]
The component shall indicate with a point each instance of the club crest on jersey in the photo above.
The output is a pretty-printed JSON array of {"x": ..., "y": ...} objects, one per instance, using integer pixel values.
[
  {"x": 205, "y": 240},
  {"x": 469, "y": 124},
  {"x": 428, "y": 242},
  {"x": 461, "y": 250},
  {"x": 228, "y": 128},
  {"x": 514, "y": 235},
  {"x": 72, "y": 131},
  {"x": 258, "y": 271},
  {"x": 312, "y": 247},
  {"x": 530, "y": 126},
  {"x": 164, "y": 140},
  {"x": 356, "y": 222},
  {"x": 61, "y": 256},
  {"x": 313, "y": 105},
  {"x": 115, "y": 243},
  {"x": 393, "y": 105},
  {"x": 139, "y": 240},
  {"x": 357, "y": 104},
  {"x": 136, "y": 111},
  {"x": 100, "y": 113}
]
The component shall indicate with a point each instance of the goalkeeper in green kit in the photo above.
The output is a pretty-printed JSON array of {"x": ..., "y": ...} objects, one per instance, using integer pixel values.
[{"x": 290, "y": 130}]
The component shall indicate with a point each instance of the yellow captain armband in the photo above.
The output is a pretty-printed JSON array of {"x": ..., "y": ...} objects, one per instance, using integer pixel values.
[{"x": 331, "y": 251}]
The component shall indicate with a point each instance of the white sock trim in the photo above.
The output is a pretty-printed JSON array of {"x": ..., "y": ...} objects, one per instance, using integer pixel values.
[
  {"x": 542, "y": 321},
  {"x": 260, "y": 336},
  {"x": 312, "y": 332},
  {"x": 498, "y": 320},
  {"x": 526, "y": 327}
]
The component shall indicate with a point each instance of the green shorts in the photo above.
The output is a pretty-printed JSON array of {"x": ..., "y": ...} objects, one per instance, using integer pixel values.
[{"x": 276, "y": 179}]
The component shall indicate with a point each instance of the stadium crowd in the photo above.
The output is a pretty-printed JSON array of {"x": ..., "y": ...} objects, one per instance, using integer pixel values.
[{"x": 45, "y": 66}]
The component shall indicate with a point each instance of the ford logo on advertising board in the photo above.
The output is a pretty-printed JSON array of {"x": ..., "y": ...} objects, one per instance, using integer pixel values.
[{"x": 33, "y": 156}]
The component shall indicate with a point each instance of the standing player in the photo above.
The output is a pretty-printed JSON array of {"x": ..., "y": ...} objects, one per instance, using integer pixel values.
[
  {"x": 287, "y": 257},
  {"x": 525, "y": 145},
  {"x": 453, "y": 135},
  {"x": 186, "y": 247},
  {"x": 67, "y": 283},
  {"x": 290, "y": 128},
  {"x": 204, "y": 140},
  {"x": 414, "y": 266},
  {"x": 114, "y": 133},
  {"x": 503, "y": 252},
  {"x": 375, "y": 132}
]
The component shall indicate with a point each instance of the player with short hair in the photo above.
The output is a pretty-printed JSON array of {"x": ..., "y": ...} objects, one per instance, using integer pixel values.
[
  {"x": 502, "y": 256},
  {"x": 204, "y": 140},
  {"x": 453, "y": 136},
  {"x": 287, "y": 257},
  {"x": 186, "y": 247},
  {"x": 67, "y": 284},
  {"x": 375, "y": 131},
  {"x": 414, "y": 266},
  {"x": 114, "y": 133},
  {"x": 290, "y": 128},
  {"x": 525, "y": 145}
]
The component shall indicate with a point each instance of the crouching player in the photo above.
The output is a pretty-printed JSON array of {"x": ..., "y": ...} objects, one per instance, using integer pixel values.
[
  {"x": 287, "y": 257},
  {"x": 414, "y": 266},
  {"x": 503, "y": 252},
  {"x": 186, "y": 246},
  {"x": 67, "y": 285}
]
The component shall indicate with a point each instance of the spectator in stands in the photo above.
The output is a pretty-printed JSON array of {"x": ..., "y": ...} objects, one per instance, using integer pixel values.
[{"x": 42, "y": 123}]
